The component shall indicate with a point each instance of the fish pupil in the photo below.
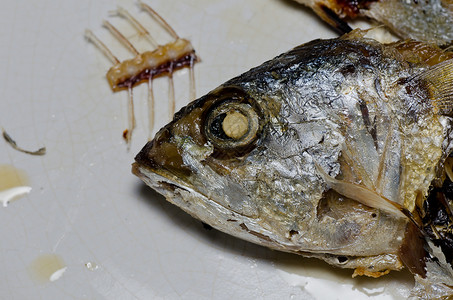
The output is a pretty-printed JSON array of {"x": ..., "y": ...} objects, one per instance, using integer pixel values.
[{"x": 216, "y": 128}]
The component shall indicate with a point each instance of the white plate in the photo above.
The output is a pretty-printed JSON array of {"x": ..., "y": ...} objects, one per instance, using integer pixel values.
[{"x": 89, "y": 229}]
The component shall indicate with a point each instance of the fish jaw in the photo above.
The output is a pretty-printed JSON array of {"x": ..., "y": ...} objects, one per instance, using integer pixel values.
[
  {"x": 203, "y": 208},
  {"x": 196, "y": 204}
]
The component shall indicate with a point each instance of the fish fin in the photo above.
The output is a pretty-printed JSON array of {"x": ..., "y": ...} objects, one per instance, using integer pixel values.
[
  {"x": 412, "y": 251},
  {"x": 438, "y": 83},
  {"x": 363, "y": 195},
  {"x": 358, "y": 33},
  {"x": 421, "y": 53}
]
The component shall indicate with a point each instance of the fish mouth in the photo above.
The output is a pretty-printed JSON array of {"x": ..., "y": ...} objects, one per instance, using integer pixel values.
[
  {"x": 163, "y": 182},
  {"x": 161, "y": 178},
  {"x": 182, "y": 195},
  {"x": 161, "y": 168}
]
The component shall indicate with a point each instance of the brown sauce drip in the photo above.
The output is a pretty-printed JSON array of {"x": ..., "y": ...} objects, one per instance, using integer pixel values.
[
  {"x": 161, "y": 70},
  {"x": 352, "y": 8}
]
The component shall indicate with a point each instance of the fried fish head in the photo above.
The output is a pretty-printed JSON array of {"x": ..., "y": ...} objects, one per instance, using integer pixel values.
[{"x": 313, "y": 152}]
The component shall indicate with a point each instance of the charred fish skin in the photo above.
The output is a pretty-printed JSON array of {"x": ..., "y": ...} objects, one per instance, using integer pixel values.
[{"x": 315, "y": 152}]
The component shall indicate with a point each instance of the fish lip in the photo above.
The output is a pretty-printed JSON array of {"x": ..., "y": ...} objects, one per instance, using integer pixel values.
[
  {"x": 166, "y": 183},
  {"x": 159, "y": 177},
  {"x": 167, "y": 176}
]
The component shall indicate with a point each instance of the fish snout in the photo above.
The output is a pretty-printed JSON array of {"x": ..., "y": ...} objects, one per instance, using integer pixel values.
[{"x": 162, "y": 155}]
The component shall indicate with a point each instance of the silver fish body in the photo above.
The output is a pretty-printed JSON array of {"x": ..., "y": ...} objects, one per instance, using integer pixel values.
[{"x": 325, "y": 151}]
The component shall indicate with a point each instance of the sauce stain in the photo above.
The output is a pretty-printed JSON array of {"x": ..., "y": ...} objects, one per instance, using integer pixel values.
[
  {"x": 13, "y": 184},
  {"x": 12, "y": 177},
  {"x": 47, "y": 268}
]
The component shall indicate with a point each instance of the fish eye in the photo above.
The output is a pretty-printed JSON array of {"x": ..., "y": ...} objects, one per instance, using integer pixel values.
[{"x": 233, "y": 124}]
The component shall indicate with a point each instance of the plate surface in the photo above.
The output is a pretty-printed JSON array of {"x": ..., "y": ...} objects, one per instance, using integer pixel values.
[{"x": 89, "y": 229}]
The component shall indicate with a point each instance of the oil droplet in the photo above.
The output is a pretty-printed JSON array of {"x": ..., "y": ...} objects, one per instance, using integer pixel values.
[
  {"x": 91, "y": 266},
  {"x": 13, "y": 184},
  {"x": 47, "y": 268}
]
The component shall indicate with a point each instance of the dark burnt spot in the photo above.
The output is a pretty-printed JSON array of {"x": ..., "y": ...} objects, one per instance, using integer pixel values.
[
  {"x": 412, "y": 88},
  {"x": 373, "y": 215},
  {"x": 403, "y": 81},
  {"x": 347, "y": 70},
  {"x": 419, "y": 95},
  {"x": 365, "y": 52},
  {"x": 437, "y": 225},
  {"x": 438, "y": 218},
  {"x": 293, "y": 233}
]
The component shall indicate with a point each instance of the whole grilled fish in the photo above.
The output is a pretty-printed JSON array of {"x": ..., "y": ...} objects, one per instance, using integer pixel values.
[
  {"x": 330, "y": 150},
  {"x": 423, "y": 20}
]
